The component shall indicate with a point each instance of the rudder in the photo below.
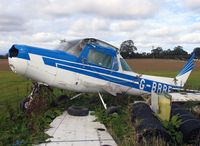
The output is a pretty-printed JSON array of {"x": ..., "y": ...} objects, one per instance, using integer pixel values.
[{"x": 183, "y": 75}]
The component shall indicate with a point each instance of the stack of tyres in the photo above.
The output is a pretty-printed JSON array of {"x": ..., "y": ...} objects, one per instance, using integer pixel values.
[
  {"x": 147, "y": 125},
  {"x": 190, "y": 125}
]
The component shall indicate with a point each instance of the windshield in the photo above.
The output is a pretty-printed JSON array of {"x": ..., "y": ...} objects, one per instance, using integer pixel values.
[
  {"x": 125, "y": 66},
  {"x": 103, "y": 44},
  {"x": 73, "y": 47}
]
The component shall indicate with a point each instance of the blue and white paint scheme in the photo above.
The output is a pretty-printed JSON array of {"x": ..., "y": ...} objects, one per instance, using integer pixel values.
[{"x": 89, "y": 65}]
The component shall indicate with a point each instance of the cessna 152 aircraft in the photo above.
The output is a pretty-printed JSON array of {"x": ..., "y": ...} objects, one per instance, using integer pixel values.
[{"x": 89, "y": 65}]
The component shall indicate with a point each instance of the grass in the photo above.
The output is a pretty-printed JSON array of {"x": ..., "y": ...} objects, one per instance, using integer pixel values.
[
  {"x": 194, "y": 80},
  {"x": 119, "y": 125},
  {"x": 25, "y": 128},
  {"x": 13, "y": 89},
  {"x": 18, "y": 127}
]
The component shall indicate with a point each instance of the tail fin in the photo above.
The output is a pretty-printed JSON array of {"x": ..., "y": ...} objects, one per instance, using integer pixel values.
[{"x": 183, "y": 75}]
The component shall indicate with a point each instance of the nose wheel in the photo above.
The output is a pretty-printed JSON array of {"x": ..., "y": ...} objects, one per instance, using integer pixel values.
[{"x": 25, "y": 103}]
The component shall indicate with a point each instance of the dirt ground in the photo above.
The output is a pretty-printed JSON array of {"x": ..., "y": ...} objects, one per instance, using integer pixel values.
[
  {"x": 158, "y": 64},
  {"x": 138, "y": 65},
  {"x": 4, "y": 65}
]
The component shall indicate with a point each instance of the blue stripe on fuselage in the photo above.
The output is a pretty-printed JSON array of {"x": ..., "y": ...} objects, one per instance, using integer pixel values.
[
  {"x": 88, "y": 70},
  {"x": 99, "y": 76},
  {"x": 143, "y": 84},
  {"x": 53, "y": 62}
]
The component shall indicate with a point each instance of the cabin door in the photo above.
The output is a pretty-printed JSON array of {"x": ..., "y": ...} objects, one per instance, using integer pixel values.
[{"x": 66, "y": 79}]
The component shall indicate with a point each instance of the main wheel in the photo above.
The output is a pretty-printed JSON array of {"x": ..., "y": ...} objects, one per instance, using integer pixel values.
[
  {"x": 24, "y": 104},
  {"x": 113, "y": 109}
]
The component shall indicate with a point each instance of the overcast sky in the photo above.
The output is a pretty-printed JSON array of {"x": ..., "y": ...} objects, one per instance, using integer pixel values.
[{"x": 165, "y": 23}]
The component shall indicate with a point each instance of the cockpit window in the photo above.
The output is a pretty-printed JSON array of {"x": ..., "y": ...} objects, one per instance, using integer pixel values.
[
  {"x": 99, "y": 42},
  {"x": 73, "y": 47},
  {"x": 99, "y": 58},
  {"x": 124, "y": 65}
]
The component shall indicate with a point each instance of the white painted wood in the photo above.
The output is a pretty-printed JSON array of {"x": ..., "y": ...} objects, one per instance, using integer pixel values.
[
  {"x": 154, "y": 102},
  {"x": 184, "y": 97},
  {"x": 70, "y": 130}
]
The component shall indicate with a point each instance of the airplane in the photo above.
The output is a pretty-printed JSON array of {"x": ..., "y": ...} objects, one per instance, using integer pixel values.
[{"x": 89, "y": 65}]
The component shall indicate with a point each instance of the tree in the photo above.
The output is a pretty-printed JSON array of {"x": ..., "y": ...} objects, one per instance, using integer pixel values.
[
  {"x": 168, "y": 54},
  {"x": 197, "y": 52},
  {"x": 4, "y": 56},
  {"x": 157, "y": 52},
  {"x": 127, "y": 48},
  {"x": 179, "y": 52}
]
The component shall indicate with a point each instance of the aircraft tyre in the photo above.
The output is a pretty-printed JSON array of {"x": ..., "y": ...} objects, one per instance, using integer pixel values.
[
  {"x": 24, "y": 104},
  {"x": 112, "y": 109},
  {"x": 146, "y": 124},
  {"x": 77, "y": 111},
  {"x": 62, "y": 98}
]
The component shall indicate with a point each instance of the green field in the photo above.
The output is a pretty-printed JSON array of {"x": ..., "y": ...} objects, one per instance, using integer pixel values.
[
  {"x": 13, "y": 89},
  {"x": 17, "y": 126}
]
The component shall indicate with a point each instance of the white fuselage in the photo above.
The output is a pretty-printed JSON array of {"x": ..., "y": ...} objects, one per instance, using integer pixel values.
[{"x": 37, "y": 70}]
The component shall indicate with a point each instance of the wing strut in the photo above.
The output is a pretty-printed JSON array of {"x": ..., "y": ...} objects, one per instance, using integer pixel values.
[
  {"x": 76, "y": 96},
  {"x": 100, "y": 96}
]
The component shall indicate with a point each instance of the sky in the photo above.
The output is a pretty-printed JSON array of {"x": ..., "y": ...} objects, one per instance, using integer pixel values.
[{"x": 149, "y": 23}]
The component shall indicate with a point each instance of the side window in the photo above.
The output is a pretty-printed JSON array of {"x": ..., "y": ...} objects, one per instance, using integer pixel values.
[
  {"x": 115, "y": 64},
  {"x": 99, "y": 58},
  {"x": 124, "y": 65}
]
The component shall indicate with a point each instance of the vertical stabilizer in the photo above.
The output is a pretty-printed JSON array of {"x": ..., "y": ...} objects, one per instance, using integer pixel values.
[{"x": 183, "y": 75}]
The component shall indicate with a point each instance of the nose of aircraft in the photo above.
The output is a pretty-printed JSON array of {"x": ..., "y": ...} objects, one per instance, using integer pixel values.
[{"x": 17, "y": 58}]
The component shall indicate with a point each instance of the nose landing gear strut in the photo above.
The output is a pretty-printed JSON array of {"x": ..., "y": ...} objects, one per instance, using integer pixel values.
[{"x": 26, "y": 103}]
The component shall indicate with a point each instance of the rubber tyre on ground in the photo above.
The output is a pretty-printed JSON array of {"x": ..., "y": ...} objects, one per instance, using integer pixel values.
[
  {"x": 113, "y": 109},
  {"x": 62, "y": 98},
  {"x": 78, "y": 111}
]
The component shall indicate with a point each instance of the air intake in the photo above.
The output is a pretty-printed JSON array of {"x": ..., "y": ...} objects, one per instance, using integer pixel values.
[{"x": 13, "y": 52}]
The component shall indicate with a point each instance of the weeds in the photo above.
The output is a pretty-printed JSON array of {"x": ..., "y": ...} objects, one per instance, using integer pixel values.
[
  {"x": 173, "y": 128},
  {"x": 118, "y": 125},
  {"x": 27, "y": 128}
]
